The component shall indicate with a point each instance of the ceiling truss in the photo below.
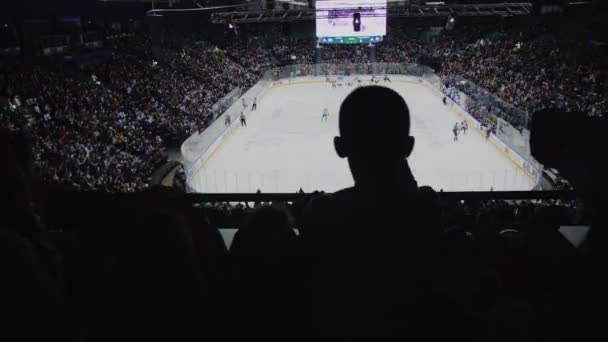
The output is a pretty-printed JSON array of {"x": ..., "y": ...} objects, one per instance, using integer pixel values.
[{"x": 418, "y": 11}]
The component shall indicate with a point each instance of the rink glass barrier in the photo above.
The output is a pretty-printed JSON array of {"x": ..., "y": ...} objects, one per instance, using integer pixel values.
[
  {"x": 199, "y": 147},
  {"x": 193, "y": 148},
  {"x": 511, "y": 137},
  {"x": 222, "y": 180},
  {"x": 341, "y": 70}
]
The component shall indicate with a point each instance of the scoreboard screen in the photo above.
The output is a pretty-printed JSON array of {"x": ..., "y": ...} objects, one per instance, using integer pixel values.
[{"x": 350, "y": 21}]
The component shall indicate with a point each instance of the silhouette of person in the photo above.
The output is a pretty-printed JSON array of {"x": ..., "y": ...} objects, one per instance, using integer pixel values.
[
  {"x": 574, "y": 144},
  {"x": 367, "y": 243},
  {"x": 356, "y": 21}
]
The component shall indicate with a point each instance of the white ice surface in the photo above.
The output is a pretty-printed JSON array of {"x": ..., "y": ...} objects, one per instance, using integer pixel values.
[{"x": 286, "y": 146}]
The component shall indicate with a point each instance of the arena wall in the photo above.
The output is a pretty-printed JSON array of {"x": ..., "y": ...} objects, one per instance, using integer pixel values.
[{"x": 199, "y": 148}]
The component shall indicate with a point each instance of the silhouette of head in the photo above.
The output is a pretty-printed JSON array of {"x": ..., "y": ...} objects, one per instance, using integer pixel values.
[{"x": 374, "y": 132}]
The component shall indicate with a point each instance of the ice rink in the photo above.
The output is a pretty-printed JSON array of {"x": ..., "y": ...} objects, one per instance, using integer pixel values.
[{"x": 286, "y": 146}]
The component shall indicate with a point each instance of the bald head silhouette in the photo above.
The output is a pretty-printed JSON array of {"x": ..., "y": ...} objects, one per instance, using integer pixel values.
[
  {"x": 374, "y": 134},
  {"x": 362, "y": 237}
]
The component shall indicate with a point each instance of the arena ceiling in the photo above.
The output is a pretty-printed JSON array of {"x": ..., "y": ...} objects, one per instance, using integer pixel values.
[
  {"x": 144, "y": 1},
  {"x": 40, "y": 9}
]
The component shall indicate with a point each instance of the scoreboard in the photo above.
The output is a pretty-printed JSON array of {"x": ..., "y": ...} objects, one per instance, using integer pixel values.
[{"x": 350, "y": 21}]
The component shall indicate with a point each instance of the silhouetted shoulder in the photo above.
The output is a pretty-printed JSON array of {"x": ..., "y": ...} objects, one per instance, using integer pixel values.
[
  {"x": 335, "y": 199},
  {"x": 328, "y": 203},
  {"x": 352, "y": 210}
]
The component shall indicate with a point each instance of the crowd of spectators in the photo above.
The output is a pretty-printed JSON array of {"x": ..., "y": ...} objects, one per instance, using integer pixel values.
[
  {"x": 506, "y": 214},
  {"x": 529, "y": 67},
  {"x": 80, "y": 132},
  {"x": 108, "y": 125},
  {"x": 397, "y": 259},
  {"x": 143, "y": 268},
  {"x": 532, "y": 70}
]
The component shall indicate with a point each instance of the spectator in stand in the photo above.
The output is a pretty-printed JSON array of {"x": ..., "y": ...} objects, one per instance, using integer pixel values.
[
  {"x": 163, "y": 292},
  {"x": 368, "y": 257},
  {"x": 33, "y": 303},
  {"x": 267, "y": 273},
  {"x": 574, "y": 144}
]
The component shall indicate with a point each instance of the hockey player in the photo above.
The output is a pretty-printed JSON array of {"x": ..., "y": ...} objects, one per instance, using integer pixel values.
[
  {"x": 386, "y": 79},
  {"x": 445, "y": 100},
  {"x": 464, "y": 126},
  {"x": 227, "y": 120},
  {"x": 244, "y": 103},
  {"x": 243, "y": 120},
  {"x": 325, "y": 114},
  {"x": 333, "y": 84},
  {"x": 254, "y": 106},
  {"x": 455, "y": 130}
]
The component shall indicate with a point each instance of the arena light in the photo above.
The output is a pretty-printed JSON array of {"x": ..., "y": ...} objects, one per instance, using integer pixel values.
[
  {"x": 159, "y": 11},
  {"x": 450, "y": 23},
  {"x": 293, "y": 2},
  {"x": 232, "y": 28}
]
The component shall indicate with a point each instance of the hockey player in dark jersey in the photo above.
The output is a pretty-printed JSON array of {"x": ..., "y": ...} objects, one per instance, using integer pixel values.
[
  {"x": 464, "y": 126},
  {"x": 243, "y": 120}
]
